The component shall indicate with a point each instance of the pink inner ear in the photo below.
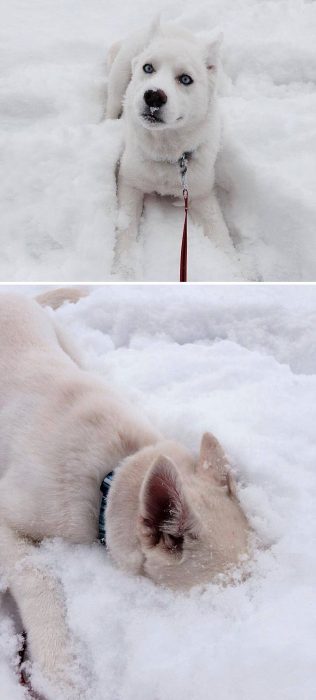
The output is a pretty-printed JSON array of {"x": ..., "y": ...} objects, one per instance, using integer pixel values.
[{"x": 164, "y": 509}]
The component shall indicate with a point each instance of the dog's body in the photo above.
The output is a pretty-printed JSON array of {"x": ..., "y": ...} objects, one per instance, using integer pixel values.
[
  {"x": 170, "y": 109},
  {"x": 170, "y": 517}
]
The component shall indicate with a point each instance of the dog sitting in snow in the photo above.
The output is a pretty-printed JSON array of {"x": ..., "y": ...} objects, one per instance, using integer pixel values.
[
  {"x": 170, "y": 516},
  {"x": 164, "y": 80}
]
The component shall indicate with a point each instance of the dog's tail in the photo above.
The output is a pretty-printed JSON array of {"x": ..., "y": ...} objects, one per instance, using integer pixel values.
[{"x": 57, "y": 297}]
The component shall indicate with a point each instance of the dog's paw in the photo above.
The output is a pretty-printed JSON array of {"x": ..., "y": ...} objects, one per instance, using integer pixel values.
[
  {"x": 65, "y": 675},
  {"x": 68, "y": 682},
  {"x": 123, "y": 271},
  {"x": 126, "y": 264}
]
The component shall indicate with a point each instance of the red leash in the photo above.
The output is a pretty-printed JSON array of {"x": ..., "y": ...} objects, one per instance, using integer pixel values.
[
  {"x": 184, "y": 245},
  {"x": 23, "y": 679},
  {"x": 183, "y": 165},
  {"x": 22, "y": 653}
]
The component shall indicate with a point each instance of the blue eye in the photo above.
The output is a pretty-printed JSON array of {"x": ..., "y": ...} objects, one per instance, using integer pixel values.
[
  {"x": 148, "y": 68},
  {"x": 185, "y": 79}
]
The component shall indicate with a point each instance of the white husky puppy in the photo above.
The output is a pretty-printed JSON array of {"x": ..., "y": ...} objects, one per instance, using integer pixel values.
[
  {"x": 170, "y": 111},
  {"x": 171, "y": 516}
]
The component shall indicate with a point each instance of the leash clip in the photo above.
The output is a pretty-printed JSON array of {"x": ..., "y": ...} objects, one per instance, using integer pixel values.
[{"x": 183, "y": 165}]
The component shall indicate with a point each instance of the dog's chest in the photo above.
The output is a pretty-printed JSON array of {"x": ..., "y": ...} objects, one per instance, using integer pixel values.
[{"x": 162, "y": 178}]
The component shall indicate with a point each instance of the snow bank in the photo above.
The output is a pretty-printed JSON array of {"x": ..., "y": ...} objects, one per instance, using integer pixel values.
[
  {"x": 58, "y": 198},
  {"x": 196, "y": 359}
]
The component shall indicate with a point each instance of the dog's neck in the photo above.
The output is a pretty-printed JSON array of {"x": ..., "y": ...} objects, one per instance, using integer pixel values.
[
  {"x": 169, "y": 145},
  {"x": 114, "y": 434}
]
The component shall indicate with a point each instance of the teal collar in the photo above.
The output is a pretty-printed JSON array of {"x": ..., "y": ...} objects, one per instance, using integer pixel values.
[{"x": 104, "y": 488}]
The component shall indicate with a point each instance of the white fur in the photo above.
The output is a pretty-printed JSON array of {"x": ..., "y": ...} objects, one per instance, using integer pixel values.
[
  {"x": 61, "y": 431},
  {"x": 190, "y": 123},
  {"x": 119, "y": 65}
]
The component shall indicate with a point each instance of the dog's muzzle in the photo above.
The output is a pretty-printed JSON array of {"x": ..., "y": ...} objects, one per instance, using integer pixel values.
[{"x": 154, "y": 101}]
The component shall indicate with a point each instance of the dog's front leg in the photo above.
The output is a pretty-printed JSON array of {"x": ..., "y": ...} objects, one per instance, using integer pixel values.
[
  {"x": 130, "y": 203},
  {"x": 206, "y": 212},
  {"x": 41, "y": 607}
]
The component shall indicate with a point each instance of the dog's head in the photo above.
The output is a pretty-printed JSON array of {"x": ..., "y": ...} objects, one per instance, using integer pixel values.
[
  {"x": 173, "y": 80},
  {"x": 185, "y": 525}
]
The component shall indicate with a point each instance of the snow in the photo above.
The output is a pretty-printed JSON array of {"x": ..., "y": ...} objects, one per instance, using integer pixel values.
[
  {"x": 243, "y": 366},
  {"x": 58, "y": 154}
]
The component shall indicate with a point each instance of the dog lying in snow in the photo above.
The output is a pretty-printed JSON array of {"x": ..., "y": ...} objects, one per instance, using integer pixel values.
[
  {"x": 171, "y": 516},
  {"x": 165, "y": 79}
]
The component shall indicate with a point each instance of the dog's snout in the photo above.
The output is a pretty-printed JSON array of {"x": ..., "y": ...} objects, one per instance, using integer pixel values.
[{"x": 155, "y": 98}]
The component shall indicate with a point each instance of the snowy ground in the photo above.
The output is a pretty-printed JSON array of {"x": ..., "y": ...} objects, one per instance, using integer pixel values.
[
  {"x": 57, "y": 196},
  {"x": 245, "y": 368}
]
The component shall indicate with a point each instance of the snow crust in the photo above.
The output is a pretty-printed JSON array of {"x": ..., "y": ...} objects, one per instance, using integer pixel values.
[
  {"x": 244, "y": 367},
  {"x": 58, "y": 155}
]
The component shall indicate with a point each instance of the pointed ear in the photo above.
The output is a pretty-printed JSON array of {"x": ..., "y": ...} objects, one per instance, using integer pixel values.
[
  {"x": 212, "y": 50},
  {"x": 214, "y": 461},
  {"x": 134, "y": 64},
  {"x": 149, "y": 35},
  {"x": 165, "y": 516},
  {"x": 155, "y": 25}
]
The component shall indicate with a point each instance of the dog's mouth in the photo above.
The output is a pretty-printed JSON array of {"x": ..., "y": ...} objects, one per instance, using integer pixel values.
[{"x": 152, "y": 117}]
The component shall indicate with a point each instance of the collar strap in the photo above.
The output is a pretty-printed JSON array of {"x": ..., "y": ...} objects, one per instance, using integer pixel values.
[{"x": 104, "y": 488}]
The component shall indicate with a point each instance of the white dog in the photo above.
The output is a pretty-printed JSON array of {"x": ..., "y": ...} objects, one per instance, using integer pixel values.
[
  {"x": 166, "y": 80},
  {"x": 170, "y": 516}
]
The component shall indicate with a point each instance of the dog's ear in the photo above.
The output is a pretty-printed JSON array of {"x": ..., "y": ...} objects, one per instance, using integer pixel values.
[
  {"x": 149, "y": 35},
  {"x": 213, "y": 461},
  {"x": 134, "y": 64},
  {"x": 212, "y": 49},
  {"x": 155, "y": 25},
  {"x": 165, "y": 516}
]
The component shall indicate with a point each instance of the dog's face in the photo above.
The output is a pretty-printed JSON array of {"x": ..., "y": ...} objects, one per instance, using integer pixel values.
[
  {"x": 189, "y": 524},
  {"x": 172, "y": 83}
]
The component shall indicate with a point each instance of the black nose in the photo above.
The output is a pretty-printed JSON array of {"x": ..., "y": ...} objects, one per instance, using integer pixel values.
[{"x": 155, "y": 98}]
